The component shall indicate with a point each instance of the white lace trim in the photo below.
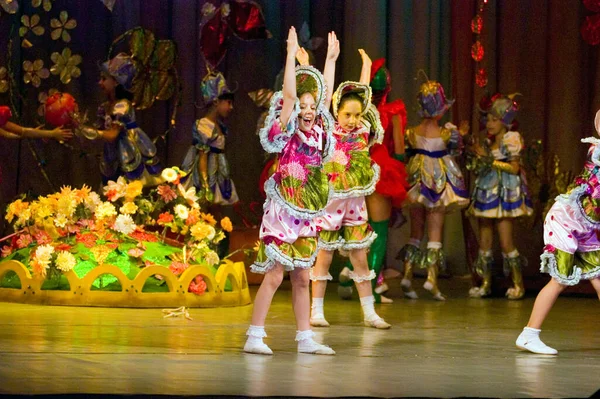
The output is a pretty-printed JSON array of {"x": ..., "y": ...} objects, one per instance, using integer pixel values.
[
  {"x": 273, "y": 194},
  {"x": 549, "y": 265},
  {"x": 378, "y": 130},
  {"x": 312, "y": 277},
  {"x": 360, "y": 279},
  {"x": 280, "y": 142},
  {"x": 302, "y": 335},
  {"x": 275, "y": 255},
  {"x": 256, "y": 331},
  {"x": 331, "y": 246},
  {"x": 572, "y": 200},
  {"x": 360, "y": 191},
  {"x": 364, "y": 243}
]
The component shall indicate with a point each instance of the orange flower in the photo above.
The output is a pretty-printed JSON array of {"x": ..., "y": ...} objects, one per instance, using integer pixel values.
[
  {"x": 24, "y": 240},
  {"x": 166, "y": 193},
  {"x": 165, "y": 218},
  {"x": 208, "y": 218},
  {"x": 177, "y": 267},
  {"x": 39, "y": 269},
  {"x": 193, "y": 217},
  {"x": 112, "y": 195},
  {"x": 197, "y": 286},
  {"x": 226, "y": 224},
  {"x": 133, "y": 190}
]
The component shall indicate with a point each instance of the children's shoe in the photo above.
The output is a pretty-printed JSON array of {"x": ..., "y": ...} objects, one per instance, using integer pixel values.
[
  {"x": 382, "y": 288},
  {"x": 378, "y": 323},
  {"x": 306, "y": 344},
  {"x": 257, "y": 347},
  {"x": 529, "y": 340},
  {"x": 407, "y": 289},
  {"x": 319, "y": 321}
]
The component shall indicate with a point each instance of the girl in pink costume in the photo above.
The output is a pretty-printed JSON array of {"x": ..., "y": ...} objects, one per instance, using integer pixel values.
[
  {"x": 572, "y": 246},
  {"x": 344, "y": 225},
  {"x": 298, "y": 128}
]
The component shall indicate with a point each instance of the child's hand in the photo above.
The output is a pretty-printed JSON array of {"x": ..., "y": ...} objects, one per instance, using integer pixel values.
[
  {"x": 292, "y": 42},
  {"x": 333, "y": 47},
  {"x": 464, "y": 128},
  {"x": 302, "y": 56},
  {"x": 61, "y": 134},
  {"x": 366, "y": 60},
  {"x": 478, "y": 150}
]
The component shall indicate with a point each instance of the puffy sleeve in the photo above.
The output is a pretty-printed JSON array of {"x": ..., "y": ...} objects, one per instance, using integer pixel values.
[
  {"x": 513, "y": 143},
  {"x": 453, "y": 139},
  {"x": 273, "y": 136},
  {"x": 202, "y": 132},
  {"x": 5, "y": 115},
  {"x": 123, "y": 113},
  {"x": 372, "y": 121}
]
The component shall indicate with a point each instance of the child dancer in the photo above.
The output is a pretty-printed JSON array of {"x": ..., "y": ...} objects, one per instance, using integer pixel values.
[
  {"x": 128, "y": 151},
  {"x": 437, "y": 185},
  {"x": 390, "y": 191},
  {"x": 299, "y": 128},
  {"x": 205, "y": 162},
  {"x": 344, "y": 225},
  {"x": 572, "y": 246},
  {"x": 500, "y": 196}
]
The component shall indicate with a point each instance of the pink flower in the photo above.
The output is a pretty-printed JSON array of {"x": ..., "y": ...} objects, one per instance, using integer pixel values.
[
  {"x": 24, "y": 240},
  {"x": 198, "y": 286},
  {"x": 135, "y": 252},
  {"x": 43, "y": 238},
  {"x": 549, "y": 248},
  {"x": 6, "y": 251},
  {"x": 178, "y": 267},
  {"x": 293, "y": 169},
  {"x": 166, "y": 193}
]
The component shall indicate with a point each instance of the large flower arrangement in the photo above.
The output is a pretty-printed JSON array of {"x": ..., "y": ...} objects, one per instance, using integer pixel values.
[{"x": 77, "y": 229}]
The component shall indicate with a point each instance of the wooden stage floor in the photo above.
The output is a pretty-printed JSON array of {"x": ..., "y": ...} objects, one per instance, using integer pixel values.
[{"x": 463, "y": 347}]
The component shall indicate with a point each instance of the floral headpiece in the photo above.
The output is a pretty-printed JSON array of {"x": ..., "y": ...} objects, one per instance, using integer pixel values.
[
  {"x": 502, "y": 107},
  {"x": 214, "y": 86},
  {"x": 432, "y": 100},
  {"x": 310, "y": 77},
  {"x": 121, "y": 68}
]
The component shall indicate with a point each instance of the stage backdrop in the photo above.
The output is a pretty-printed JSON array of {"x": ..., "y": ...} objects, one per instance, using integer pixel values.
[{"x": 532, "y": 47}]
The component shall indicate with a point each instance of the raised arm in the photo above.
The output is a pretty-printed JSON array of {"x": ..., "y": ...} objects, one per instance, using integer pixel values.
[
  {"x": 333, "y": 51},
  {"x": 365, "y": 72},
  {"x": 302, "y": 57},
  {"x": 289, "y": 77},
  {"x": 58, "y": 134}
]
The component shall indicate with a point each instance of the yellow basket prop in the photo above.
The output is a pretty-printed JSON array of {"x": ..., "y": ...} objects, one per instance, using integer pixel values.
[{"x": 131, "y": 295}]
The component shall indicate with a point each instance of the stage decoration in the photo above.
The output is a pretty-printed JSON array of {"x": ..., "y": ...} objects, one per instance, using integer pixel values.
[
  {"x": 240, "y": 18},
  {"x": 10, "y": 6},
  {"x": 590, "y": 29},
  {"x": 109, "y": 4},
  {"x": 47, "y": 4},
  {"x": 65, "y": 65},
  {"x": 4, "y": 83},
  {"x": 60, "y": 109},
  {"x": 34, "y": 72},
  {"x": 477, "y": 49},
  {"x": 42, "y": 98},
  {"x": 30, "y": 24},
  {"x": 127, "y": 248},
  {"x": 61, "y": 27}
]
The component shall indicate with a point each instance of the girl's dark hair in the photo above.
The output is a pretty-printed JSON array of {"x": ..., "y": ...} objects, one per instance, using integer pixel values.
[
  {"x": 123, "y": 94},
  {"x": 352, "y": 96},
  {"x": 226, "y": 96}
]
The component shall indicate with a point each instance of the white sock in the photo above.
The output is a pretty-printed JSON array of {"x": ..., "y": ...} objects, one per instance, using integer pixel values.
[
  {"x": 487, "y": 253},
  {"x": 434, "y": 245},
  {"x": 316, "y": 309},
  {"x": 511, "y": 255},
  {"x": 368, "y": 308},
  {"x": 531, "y": 333},
  {"x": 414, "y": 242},
  {"x": 256, "y": 334}
]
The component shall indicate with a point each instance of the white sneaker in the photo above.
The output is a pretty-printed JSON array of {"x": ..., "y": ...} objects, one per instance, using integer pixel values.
[
  {"x": 319, "y": 321},
  {"x": 534, "y": 344},
  {"x": 312, "y": 347},
  {"x": 257, "y": 347},
  {"x": 378, "y": 323}
]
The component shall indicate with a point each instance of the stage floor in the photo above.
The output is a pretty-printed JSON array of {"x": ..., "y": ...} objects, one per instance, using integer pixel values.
[{"x": 463, "y": 347}]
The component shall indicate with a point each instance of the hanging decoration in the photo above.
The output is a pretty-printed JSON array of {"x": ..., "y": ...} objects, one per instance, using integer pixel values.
[
  {"x": 477, "y": 49},
  {"x": 240, "y": 18},
  {"x": 109, "y": 4},
  {"x": 590, "y": 29}
]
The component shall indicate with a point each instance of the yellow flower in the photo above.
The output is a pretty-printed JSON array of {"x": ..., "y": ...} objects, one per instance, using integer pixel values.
[
  {"x": 65, "y": 65},
  {"x": 60, "y": 220},
  {"x": 65, "y": 261},
  {"x": 212, "y": 258},
  {"x": 15, "y": 208},
  {"x": 169, "y": 174},
  {"x": 201, "y": 231},
  {"x": 105, "y": 210},
  {"x": 3, "y": 80},
  {"x": 62, "y": 26},
  {"x": 100, "y": 253},
  {"x": 257, "y": 245},
  {"x": 133, "y": 190},
  {"x": 34, "y": 72},
  {"x": 226, "y": 224},
  {"x": 30, "y": 24},
  {"x": 129, "y": 208},
  {"x": 208, "y": 218},
  {"x": 47, "y": 4}
]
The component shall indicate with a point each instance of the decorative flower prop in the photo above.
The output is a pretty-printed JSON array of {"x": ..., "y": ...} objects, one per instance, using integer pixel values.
[
  {"x": 34, "y": 72},
  {"x": 42, "y": 98},
  {"x": 30, "y": 24},
  {"x": 4, "y": 84},
  {"x": 10, "y": 6},
  {"x": 62, "y": 26},
  {"x": 65, "y": 65},
  {"x": 240, "y": 18},
  {"x": 47, "y": 4}
]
